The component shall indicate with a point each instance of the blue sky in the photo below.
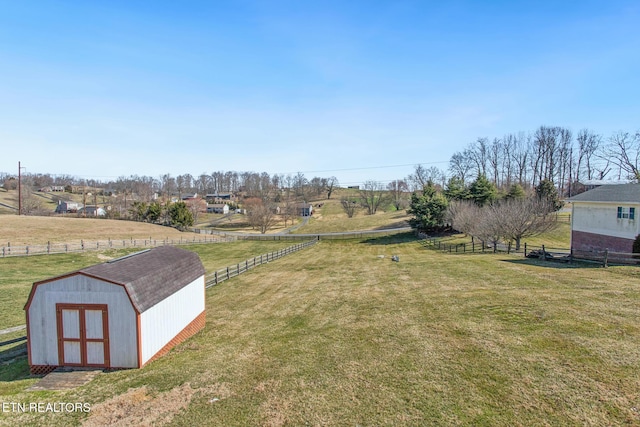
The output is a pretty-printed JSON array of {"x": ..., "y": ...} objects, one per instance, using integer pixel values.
[{"x": 360, "y": 89}]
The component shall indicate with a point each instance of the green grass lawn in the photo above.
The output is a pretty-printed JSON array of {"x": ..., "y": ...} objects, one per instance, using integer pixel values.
[
  {"x": 340, "y": 335},
  {"x": 19, "y": 273}
]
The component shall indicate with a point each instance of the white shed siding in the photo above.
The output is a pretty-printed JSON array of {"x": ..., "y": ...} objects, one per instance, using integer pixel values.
[
  {"x": 162, "y": 322},
  {"x": 81, "y": 289},
  {"x": 601, "y": 218}
]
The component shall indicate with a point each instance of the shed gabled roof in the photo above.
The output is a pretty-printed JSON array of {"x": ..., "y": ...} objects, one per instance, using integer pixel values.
[
  {"x": 149, "y": 276},
  {"x": 622, "y": 193}
]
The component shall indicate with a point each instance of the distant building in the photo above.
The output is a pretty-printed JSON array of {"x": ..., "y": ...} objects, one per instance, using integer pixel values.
[
  {"x": 92, "y": 211},
  {"x": 590, "y": 184},
  {"x": 304, "y": 209},
  {"x": 68, "y": 207},
  {"x": 219, "y": 208}
]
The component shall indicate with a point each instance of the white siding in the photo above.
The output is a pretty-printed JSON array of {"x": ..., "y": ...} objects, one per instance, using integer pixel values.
[
  {"x": 162, "y": 322},
  {"x": 81, "y": 289},
  {"x": 602, "y": 218}
]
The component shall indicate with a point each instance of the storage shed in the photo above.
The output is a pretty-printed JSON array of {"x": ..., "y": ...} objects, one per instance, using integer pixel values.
[{"x": 120, "y": 314}]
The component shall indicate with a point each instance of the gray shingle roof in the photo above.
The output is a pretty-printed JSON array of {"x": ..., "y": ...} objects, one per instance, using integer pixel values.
[
  {"x": 150, "y": 276},
  {"x": 623, "y": 193}
]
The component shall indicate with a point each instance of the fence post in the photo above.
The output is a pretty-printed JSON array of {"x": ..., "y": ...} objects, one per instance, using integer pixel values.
[
  {"x": 3, "y": 252},
  {"x": 66, "y": 247},
  {"x": 82, "y": 244},
  {"x": 238, "y": 269},
  {"x": 525, "y": 249},
  {"x": 48, "y": 246},
  {"x": 227, "y": 273},
  {"x": 605, "y": 262},
  {"x": 571, "y": 256},
  {"x": 509, "y": 248},
  {"x": 544, "y": 253},
  {"x": 27, "y": 250},
  {"x": 215, "y": 277},
  {"x": 483, "y": 245}
]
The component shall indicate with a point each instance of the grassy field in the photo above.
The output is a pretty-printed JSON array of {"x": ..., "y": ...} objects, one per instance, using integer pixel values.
[
  {"x": 340, "y": 335},
  {"x": 330, "y": 218},
  {"x": 19, "y": 273},
  {"x": 23, "y": 230}
]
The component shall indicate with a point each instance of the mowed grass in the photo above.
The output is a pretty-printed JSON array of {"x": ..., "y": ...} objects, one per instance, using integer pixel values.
[
  {"x": 19, "y": 273},
  {"x": 338, "y": 335},
  {"x": 31, "y": 230},
  {"x": 331, "y": 218}
]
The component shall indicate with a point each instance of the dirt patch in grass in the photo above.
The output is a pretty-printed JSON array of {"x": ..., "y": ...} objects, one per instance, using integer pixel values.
[{"x": 140, "y": 407}]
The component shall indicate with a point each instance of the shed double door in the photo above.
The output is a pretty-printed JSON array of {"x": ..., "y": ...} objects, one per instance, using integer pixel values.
[{"x": 83, "y": 335}]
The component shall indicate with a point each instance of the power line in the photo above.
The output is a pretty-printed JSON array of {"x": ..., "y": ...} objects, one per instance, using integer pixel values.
[{"x": 277, "y": 173}]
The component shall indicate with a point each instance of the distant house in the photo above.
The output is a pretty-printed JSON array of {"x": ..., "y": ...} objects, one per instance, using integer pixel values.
[
  {"x": 51, "y": 188},
  {"x": 120, "y": 314},
  {"x": 304, "y": 209},
  {"x": 219, "y": 208},
  {"x": 68, "y": 207},
  {"x": 189, "y": 196},
  {"x": 606, "y": 218},
  {"x": 92, "y": 211},
  {"x": 218, "y": 197}
]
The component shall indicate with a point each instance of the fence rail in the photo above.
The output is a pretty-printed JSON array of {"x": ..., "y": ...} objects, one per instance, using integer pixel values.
[
  {"x": 316, "y": 236},
  {"x": 85, "y": 245},
  {"x": 234, "y": 270},
  {"x": 211, "y": 279},
  {"x": 604, "y": 257}
]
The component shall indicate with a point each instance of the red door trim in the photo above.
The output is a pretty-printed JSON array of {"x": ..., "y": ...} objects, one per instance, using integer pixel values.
[{"x": 83, "y": 333}]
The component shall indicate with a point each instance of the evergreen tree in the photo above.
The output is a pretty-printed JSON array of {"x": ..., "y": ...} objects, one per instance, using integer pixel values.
[
  {"x": 516, "y": 192},
  {"x": 546, "y": 191},
  {"x": 455, "y": 189},
  {"x": 482, "y": 191},
  {"x": 428, "y": 209},
  {"x": 154, "y": 211},
  {"x": 181, "y": 216}
]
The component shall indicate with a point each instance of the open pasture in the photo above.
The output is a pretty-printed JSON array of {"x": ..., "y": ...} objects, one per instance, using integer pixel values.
[
  {"x": 339, "y": 335},
  {"x": 38, "y": 230}
]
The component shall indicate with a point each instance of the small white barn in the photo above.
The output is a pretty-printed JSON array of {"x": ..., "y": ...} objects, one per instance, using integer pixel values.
[
  {"x": 606, "y": 218},
  {"x": 120, "y": 314}
]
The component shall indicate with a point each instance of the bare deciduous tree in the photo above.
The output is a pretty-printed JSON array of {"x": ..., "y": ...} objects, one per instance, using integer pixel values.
[
  {"x": 349, "y": 206},
  {"x": 623, "y": 150},
  {"x": 261, "y": 215},
  {"x": 522, "y": 218},
  {"x": 398, "y": 193},
  {"x": 332, "y": 183},
  {"x": 372, "y": 196}
]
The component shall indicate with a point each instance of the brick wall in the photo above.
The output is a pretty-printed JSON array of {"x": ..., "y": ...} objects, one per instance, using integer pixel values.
[{"x": 583, "y": 241}]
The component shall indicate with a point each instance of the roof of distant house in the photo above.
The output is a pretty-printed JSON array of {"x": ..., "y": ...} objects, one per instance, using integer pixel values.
[{"x": 622, "y": 193}]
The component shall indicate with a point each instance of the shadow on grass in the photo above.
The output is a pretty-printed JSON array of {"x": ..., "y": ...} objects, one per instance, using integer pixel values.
[
  {"x": 393, "y": 239},
  {"x": 397, "y": 224},
  {"x": 554, "y": 264},
  {"x": 15, "y": 369}
]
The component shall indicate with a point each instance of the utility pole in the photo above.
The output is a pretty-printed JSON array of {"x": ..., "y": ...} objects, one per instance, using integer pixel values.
[{"x": 19, "y": 190}]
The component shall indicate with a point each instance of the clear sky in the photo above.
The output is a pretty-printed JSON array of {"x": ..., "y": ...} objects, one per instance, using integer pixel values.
[{"x": 357, "y": 89}]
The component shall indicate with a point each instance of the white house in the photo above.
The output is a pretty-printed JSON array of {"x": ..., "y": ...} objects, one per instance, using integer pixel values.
[
  {"x": 219, "y": 208},
  {"x": 120, "y": 314},
  {"x": 606, "y": 218}
]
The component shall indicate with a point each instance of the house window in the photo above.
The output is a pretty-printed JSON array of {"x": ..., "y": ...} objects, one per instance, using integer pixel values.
[{"x": 626, "y": 213}]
